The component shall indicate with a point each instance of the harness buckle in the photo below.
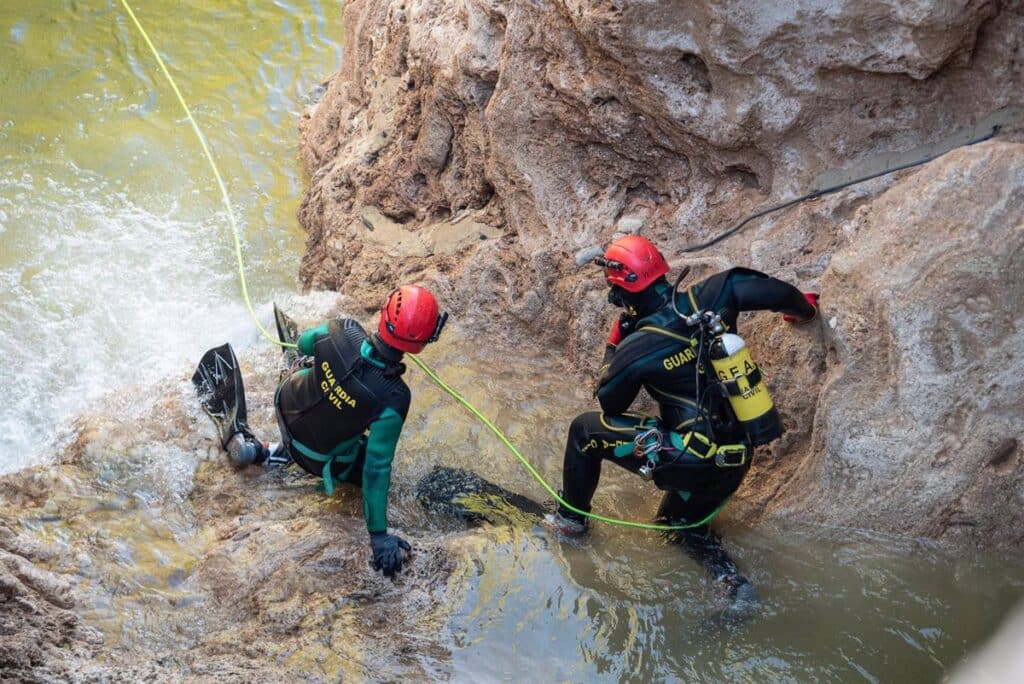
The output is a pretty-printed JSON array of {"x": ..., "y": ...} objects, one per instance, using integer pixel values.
[
  {"x": 699, "y": 445},
  {"x": 731, "y": 455}
]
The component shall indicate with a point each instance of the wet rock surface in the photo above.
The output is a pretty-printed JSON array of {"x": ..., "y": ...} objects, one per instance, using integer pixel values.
[
  {"x": 41, "y": 634},
  {"x": 163, "y": 563},
  {"x": 918, "y": 425},
  {"x": 563, "y": 124}
]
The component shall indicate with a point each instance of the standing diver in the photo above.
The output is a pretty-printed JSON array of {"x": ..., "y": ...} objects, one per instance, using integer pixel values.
[
  {"x": 670, "y": 343},
  {"x": 340, "y": 417}
]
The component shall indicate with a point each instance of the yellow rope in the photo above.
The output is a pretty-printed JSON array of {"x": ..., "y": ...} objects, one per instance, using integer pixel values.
[
  {"x": 216, "y": 173},
  {"x": 426, "y": 369}
]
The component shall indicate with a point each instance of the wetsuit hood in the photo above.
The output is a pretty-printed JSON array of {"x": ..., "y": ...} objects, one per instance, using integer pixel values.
[
  {"x": 383, "y": 353},
  {"x": 642, "y": 303}
]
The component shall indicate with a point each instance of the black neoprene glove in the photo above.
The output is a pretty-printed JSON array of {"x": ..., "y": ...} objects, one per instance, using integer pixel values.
[{"x": 388, "y": 552}]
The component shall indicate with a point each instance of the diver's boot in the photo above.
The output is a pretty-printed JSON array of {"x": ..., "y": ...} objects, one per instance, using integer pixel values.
[
  {"x": 566, "y": 523},
  {"x": 277, "y": 455},
  {"x": 245, "y": 450}
]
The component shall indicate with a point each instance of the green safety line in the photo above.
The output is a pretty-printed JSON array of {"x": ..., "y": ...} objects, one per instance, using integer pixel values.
[
  {"x": 426, "y": 369},
  {"x": 216, "y": 173},
  {"x": 533, "y": 471}
]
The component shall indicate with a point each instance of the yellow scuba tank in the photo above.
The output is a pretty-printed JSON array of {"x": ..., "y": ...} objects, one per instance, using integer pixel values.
[{"x": 744, "y": 386}]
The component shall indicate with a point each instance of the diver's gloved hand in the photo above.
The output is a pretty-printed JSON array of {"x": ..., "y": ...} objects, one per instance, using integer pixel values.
[
  {"x": 812, "y": 299},
  {"x": 389, "y": 552},
  {"x": 621, "y": 328}
]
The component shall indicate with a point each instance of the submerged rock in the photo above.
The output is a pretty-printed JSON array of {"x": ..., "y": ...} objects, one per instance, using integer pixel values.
[{"x": 458, "y": 493}]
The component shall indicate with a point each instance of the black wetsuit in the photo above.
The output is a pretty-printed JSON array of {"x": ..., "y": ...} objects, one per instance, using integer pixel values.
[
  {"x": 342, "y": 417},
  {"x": 660, "y": 354}
]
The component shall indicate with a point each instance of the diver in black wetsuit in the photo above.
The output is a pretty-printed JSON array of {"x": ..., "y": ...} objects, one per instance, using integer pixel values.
[
  {"x": 653, "y": 347},
  {"x": 340, "y": 418}
]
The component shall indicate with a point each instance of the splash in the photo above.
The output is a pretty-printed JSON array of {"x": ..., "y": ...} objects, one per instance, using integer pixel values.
[{"x": 112, "y": 295}]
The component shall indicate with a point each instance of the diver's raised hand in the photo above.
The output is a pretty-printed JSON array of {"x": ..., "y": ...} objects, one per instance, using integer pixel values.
[
  {"x": 812, "y": 299},
  {"x": 389, "y": 552}
]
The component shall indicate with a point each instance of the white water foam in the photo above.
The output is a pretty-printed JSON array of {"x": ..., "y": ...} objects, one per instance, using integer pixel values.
[{"x": 98, "y": 293}]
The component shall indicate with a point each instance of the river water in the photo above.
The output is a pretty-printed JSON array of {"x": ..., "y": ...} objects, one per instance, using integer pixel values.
[
  {"x": 116, "y": 263},
  {"x": 117, "y": 271}
]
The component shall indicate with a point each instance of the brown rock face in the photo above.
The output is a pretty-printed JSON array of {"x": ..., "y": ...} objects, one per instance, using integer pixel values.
[
  {"x": 35, "y": 622},
  {"x": 919, "y": 417},
  {"x": 559, "y": 124}
]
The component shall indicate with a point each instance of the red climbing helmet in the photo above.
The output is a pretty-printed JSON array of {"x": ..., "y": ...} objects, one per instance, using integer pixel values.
[
  {"x": 632, "y": 263},
  {"x": 410, "y": 319}
]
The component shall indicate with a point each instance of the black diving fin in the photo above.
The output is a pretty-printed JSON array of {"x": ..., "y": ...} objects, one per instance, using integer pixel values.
[
  {"x": 218, "y": 382},
  {"x": 287, "y": 332}
]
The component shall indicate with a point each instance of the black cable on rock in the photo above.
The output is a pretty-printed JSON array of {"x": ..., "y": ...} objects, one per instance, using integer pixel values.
[{"x": 826, "y": 191}]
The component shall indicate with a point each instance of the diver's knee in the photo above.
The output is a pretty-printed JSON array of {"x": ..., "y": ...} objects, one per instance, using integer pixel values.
[{"x": 580, "y": 425}]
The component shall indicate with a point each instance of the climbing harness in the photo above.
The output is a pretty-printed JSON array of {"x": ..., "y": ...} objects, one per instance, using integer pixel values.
[{"x": 661, "y": 452}]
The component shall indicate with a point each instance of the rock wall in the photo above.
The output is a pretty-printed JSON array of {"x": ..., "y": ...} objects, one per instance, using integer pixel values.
[
  {"x": 917, "y": 428},
  {"x": 476, "y": 146}
]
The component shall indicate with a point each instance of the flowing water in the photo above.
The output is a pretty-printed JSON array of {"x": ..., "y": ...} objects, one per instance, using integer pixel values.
[
  {"x": 117, "y": 271},
  {"x": 116, "y": 261}
]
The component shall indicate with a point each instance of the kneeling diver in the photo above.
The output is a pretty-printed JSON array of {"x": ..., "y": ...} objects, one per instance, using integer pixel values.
[
  {"x": 700, "y": 448},
  {"x": 340, "y": 417}
]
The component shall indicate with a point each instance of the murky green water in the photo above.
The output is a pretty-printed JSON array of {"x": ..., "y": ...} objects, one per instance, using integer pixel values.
[
  {"x": 117, "y": 272},
  {"x": 116, "y": 262}
]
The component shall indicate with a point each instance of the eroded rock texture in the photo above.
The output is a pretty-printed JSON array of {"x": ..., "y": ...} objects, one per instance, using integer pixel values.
[
  {"x": 476, "y": 146},
  {"x": 920, "y": 415},
  {"x": 39, "y": 633}
]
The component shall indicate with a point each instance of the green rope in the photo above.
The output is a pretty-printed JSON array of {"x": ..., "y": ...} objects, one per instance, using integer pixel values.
[
  {"x": 216, "y": 174},
  {"x": 433, "y": 376},
  {"x": 533, "y": 471}
]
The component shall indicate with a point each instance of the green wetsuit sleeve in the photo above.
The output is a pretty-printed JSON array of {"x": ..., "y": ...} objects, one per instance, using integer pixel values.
[
  {"x": 308, "y": 339},
  {"x": 380, "y": 451}
]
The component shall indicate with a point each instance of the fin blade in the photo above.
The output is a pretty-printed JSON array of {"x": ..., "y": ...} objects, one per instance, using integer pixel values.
[{"x": 218, "y": 383}]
